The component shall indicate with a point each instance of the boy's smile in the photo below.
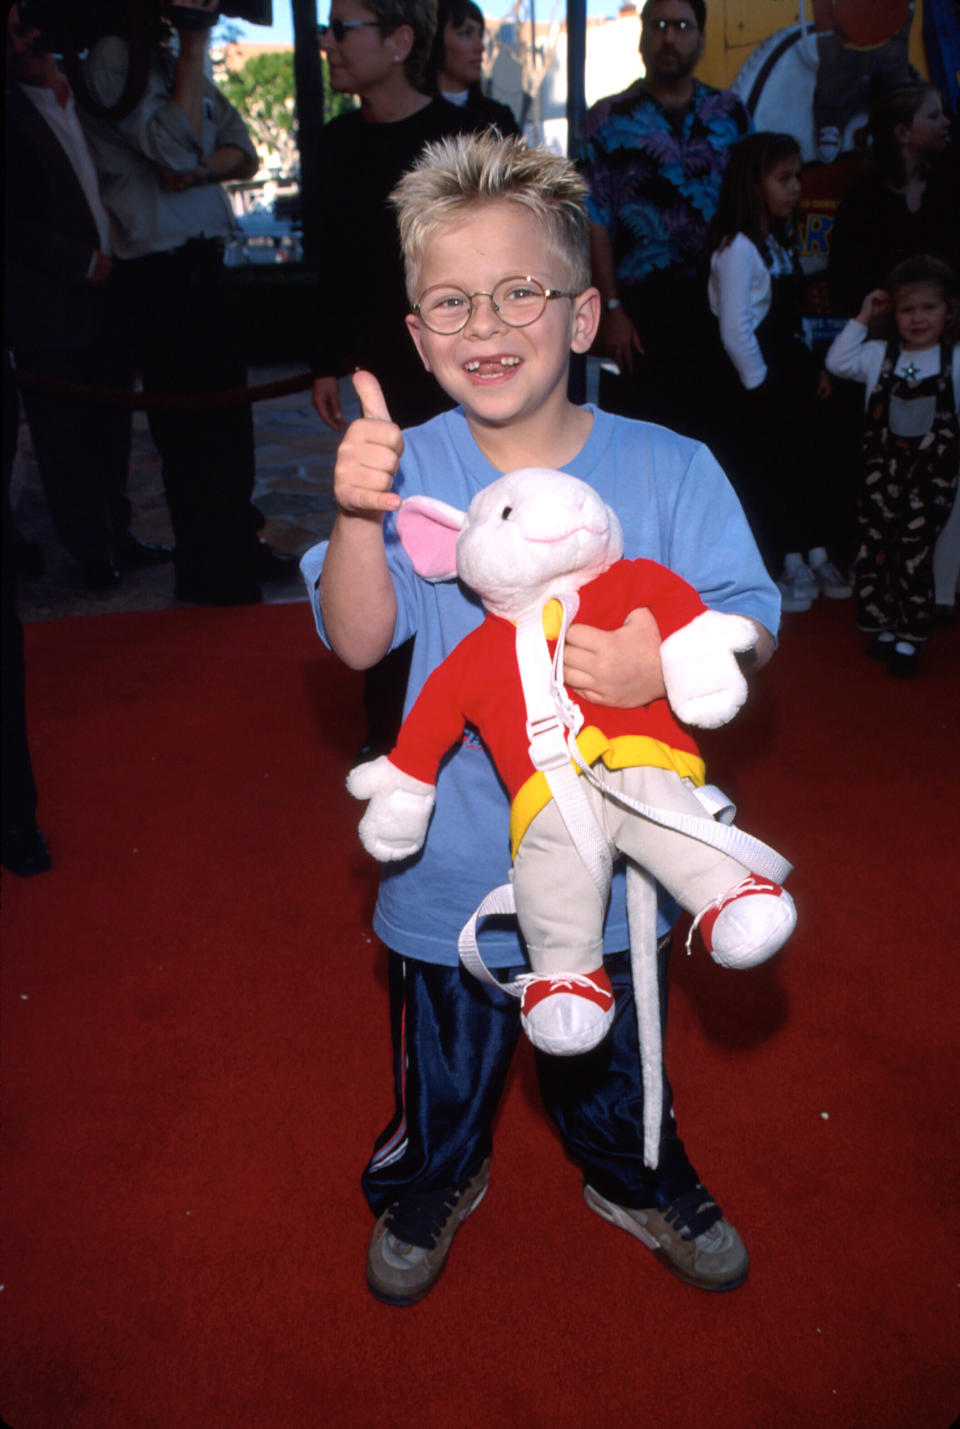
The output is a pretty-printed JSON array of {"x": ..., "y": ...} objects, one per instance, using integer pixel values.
[{"x": 502, "y": 374}]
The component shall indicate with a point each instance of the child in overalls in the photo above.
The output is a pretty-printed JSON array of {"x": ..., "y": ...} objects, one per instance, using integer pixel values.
[{"x": 911, "y": 448}]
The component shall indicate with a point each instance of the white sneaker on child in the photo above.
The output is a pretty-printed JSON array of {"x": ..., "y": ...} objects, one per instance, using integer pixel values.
[
  {"x": 829, "y": 139},
  {"x": 797, "y": 584},
  {"x": 826, "y": 575}
]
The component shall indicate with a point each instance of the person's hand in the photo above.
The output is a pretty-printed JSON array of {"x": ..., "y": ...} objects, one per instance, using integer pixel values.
[
  {"x": 619, "y": 339},
  {"x": 824, "y": 385},
  {"x": 620, "y": 668},
  {"x": 102, "y": 268},
  {"x": 175, "y": 180},
  {"x": 326, "y": 403},
  {"x": 874, "y": 306},
  {"x": 368, "y": 456}
]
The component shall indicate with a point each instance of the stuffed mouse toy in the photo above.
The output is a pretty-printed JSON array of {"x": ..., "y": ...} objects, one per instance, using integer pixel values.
[{"x": 586, "y": 782}]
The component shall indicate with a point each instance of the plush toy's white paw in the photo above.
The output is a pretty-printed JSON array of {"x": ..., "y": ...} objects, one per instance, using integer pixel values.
[
  {"x": 567, "y": 1015},
  {"x": 749, "y": 923},
  {"x": 395, "y": 824},
  {"x": 704, "y": 683}
]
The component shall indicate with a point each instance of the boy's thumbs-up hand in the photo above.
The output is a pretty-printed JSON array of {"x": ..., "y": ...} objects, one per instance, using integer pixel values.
[{"x": 369, "y": 454}]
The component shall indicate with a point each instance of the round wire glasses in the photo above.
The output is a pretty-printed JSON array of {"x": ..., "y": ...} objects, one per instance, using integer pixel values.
[{"x": 446, "y": 309}]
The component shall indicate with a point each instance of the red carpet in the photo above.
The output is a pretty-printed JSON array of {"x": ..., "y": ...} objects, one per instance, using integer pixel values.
[{"x": 195, "y": 1063}]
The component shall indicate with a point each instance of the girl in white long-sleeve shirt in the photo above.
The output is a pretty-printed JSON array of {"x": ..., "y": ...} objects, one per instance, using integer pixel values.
[
  {"x": 911, "y": 450},
  {"x": 765, "y": 439}
]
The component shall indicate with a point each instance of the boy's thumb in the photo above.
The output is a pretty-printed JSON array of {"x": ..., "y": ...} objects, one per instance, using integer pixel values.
[{"x": 372, "y": 401}]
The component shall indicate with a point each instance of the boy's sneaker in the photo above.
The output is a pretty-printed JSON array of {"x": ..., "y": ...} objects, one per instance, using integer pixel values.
[
  {"x": 412, "y": 1239},
  {"x": 690, "y": 1237},
  {"x": 566, "y": 1014},
  {"x": 828, "y": 578}
]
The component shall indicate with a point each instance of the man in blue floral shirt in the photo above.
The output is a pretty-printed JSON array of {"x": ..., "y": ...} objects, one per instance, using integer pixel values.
[{"x": 654, "y": 157}]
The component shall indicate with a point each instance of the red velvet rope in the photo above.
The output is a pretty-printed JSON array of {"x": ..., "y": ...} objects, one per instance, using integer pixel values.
[{"x": 185, "y": 401}]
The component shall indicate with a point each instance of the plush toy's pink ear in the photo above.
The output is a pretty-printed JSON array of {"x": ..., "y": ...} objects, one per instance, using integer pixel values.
[{"x": 428, "y": 531}]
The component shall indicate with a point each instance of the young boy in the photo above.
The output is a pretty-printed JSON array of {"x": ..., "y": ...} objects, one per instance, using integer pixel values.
[{"x": 475, "y": 212}]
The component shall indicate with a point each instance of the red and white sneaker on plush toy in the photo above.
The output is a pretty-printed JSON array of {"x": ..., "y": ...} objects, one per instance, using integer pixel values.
[
  {"x": 566, "y": 1014},
  {"x": 747, "y": 924}
]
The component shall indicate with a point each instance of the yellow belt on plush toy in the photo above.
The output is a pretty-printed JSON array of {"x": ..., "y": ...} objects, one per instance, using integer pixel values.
[{"x": 624, "y": 751}]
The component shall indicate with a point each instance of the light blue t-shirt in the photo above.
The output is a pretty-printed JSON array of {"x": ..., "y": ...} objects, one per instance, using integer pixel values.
[{"x": 676, "y": 507}]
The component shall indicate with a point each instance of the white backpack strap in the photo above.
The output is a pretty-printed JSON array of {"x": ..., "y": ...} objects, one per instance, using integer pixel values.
[
  {"x": 716, "y": 803},
  {"x": 549, "y": 710},
  {"x": 755, "y": 855},
  {"x": 550, "y": 713},
  {"x": 501, "y": 900}
]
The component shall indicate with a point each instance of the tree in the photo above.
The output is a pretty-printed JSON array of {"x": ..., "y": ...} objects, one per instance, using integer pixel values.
[{"x": 264, "y": 94}]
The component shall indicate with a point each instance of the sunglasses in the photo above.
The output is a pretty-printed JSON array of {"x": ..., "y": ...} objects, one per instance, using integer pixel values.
[
  {"x": 338, "y": 28},
  {"x": 663, "y": 27}
]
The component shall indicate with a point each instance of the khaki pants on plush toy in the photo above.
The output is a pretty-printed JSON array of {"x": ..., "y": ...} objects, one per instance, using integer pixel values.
[{"x": 743, "y": 919}]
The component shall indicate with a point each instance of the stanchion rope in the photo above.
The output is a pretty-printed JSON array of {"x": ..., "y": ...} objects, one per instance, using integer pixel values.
[{"x": 184, "y": 401}]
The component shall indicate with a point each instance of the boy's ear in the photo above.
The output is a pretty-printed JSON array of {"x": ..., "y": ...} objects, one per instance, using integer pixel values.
[
  {"x": 587, "y": 308},
  {"x": 413, "y": 328}
]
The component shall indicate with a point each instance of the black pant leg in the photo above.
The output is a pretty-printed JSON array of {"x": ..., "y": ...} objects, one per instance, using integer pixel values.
[
  {"x": 182, "y": 344},
  {"x": 81, "y": 448},
  {"x": 18, "y": 791}
]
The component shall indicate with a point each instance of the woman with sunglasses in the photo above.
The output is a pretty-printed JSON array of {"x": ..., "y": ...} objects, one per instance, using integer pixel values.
[
  {"x": 377, "y": 50},
  {"x": 456, "y": 64}
]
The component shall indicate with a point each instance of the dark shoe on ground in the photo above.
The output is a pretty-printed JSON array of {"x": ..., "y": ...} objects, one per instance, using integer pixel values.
[
  {"x": 690, "y": 1237},
  {"x": 100, "y": 575},
  {"x": 133, "y": 553},
  {"x": 880, "y": 647},
  {"x": 903, "y": 660},
  {"x": 25, "y": 851},
  {"x": 412, "y": 1238},
  {"x": 274, "y": 565}
]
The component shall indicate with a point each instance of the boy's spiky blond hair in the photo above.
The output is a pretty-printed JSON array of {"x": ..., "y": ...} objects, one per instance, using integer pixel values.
[{"x": 454, "y": 175}]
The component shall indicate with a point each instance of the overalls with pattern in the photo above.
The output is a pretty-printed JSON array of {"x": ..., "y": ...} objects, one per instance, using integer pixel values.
[{"x": 911, "y": 448}]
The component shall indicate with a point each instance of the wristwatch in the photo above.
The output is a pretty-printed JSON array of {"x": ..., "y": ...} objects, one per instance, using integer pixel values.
[{"x": 612, "y": 304}]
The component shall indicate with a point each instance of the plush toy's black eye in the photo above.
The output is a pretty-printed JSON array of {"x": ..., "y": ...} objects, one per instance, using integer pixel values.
[{"x": 505, "y": 513}]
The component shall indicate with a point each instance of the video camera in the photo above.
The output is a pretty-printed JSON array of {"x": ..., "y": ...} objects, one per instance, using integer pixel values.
[{"x": 69, "y": 27}]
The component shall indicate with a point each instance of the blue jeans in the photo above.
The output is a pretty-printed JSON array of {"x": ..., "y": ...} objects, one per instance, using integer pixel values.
[{"x": 453, "y": 1041}]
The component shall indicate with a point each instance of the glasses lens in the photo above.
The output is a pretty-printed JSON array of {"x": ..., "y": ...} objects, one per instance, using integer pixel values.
[
  {"x": 519, "y": 301},
  {"x": 444, "y": 308}
]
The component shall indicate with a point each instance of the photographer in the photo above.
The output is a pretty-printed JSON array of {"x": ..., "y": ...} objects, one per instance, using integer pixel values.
[
  {"x": 57, "y": 281},
  {"x": 160, "y": 168}
]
